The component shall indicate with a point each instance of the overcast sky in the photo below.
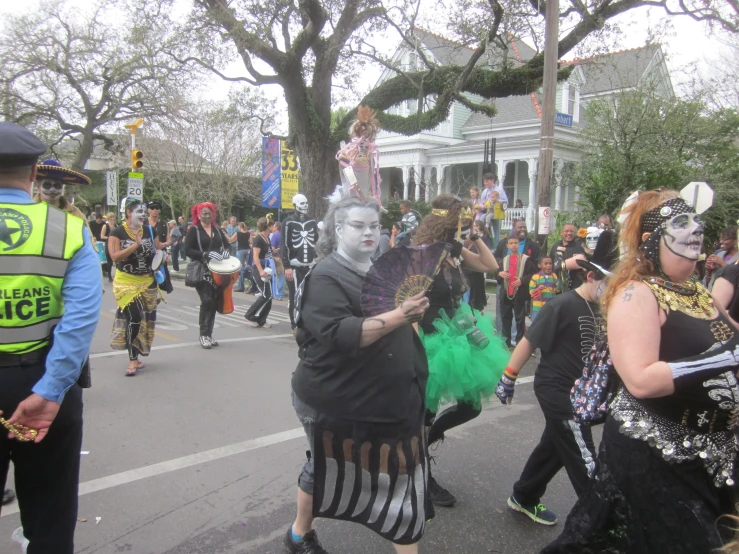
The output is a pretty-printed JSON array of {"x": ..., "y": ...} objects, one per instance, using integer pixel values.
[{"x": 686, "y": 43}]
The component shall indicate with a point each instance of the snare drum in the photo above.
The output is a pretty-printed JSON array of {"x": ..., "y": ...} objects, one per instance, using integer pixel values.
[
  {"x": 225, "y": 273},
  {"x": 157, "y": 260}
]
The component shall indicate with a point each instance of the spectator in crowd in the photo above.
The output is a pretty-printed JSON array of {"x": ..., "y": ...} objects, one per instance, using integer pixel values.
[
  {"x": 279, "y": 280},
  {"x": 605, "y": 222},
  {"x": 231, "y": 230},
  {"x": 384, "y": 244},
  {"x": 565, "y": 254},
  {"x": 519, "y": 203},
  {"x": 177, "y": 239},
  {"x": 97, "y": 226},
  {"x": 489, "y": 180},
  {"x": 182, "y": 224},
  {"x": 475, "y": 295},
  {"x": 726, "y": 254},
  {"x": 513, "y": 285},
  {"x": 409, "y": 221},
  {"x": 477, "y": 205},
  {"x": 480, "y": 228},
  {"x": 109, "y": 267},
  {"x": 394, "y": 233},
  {"x": 543, "y": 286},
  {"x": 243, "y": 246}
]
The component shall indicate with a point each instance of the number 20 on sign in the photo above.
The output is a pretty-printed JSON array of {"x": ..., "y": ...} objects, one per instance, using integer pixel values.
[{"x": 135, "y": 185}]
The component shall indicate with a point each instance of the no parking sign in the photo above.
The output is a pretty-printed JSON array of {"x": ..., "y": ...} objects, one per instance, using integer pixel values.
[{"x": 544, "y": 216}]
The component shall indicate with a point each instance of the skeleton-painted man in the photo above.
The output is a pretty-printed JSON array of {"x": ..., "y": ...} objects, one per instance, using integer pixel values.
[{"x": 298, "y": 248}]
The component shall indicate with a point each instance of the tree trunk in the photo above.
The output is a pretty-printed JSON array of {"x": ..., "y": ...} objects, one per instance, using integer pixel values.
[{"x": 85, "y": 151}]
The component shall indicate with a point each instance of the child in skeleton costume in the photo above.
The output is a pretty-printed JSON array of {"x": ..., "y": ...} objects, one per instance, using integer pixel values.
[
  {"x": 666, "y": 467},
  {"x": 298, "y": 249},
  {"x": 359, "y": 160},
  {"x": 359, "y": 392},
  {"x": 466, "y": 357}
]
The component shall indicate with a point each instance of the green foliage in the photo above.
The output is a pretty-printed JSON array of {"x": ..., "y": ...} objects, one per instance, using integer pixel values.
[{"x": 642, "y": 141}]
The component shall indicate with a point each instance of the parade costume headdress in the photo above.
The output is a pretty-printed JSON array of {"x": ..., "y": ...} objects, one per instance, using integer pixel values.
[{"x": 52, "y": 169}]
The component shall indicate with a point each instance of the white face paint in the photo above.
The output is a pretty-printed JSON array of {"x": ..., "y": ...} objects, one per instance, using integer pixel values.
[
  {"x": 50, "y": 191},
  {"x": 591, "y": 238},
  {"x": 301, "y": 204},
  {"x": 137, "y": 216},
  {"x": 683, "y": 236},
  {"x": 358, "y": 237}
]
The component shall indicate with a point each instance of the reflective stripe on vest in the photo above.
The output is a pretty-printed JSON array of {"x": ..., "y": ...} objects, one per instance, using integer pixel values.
[{"x": 36, "y": 243}]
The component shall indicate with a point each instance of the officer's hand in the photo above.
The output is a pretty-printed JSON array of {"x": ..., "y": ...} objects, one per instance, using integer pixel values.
[
  {"x": 289, "y": 274},
  {"x": 36, "y": 413}
]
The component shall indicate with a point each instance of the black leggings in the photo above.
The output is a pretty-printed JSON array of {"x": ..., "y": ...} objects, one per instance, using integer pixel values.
[
  {"x": 135, "y": 314},
  {"x": 207, "y": 320},
  {"x": 449, "y": 418}
]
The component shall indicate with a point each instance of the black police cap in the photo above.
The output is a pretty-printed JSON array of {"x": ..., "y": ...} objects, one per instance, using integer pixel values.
[{"x": 19, "y": 147}]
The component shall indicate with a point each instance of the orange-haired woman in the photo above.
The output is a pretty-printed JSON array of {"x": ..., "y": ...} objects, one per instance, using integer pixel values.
[{"x": 666, "y": 467}]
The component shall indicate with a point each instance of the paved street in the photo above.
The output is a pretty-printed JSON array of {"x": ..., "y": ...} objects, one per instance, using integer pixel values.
[{"x": 200, "y": 452}]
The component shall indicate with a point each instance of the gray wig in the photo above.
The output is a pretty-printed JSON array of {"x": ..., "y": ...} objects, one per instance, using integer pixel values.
[{"x": 337, "y": 213}]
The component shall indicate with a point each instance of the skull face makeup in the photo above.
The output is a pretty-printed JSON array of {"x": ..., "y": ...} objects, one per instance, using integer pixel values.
[
  {"x": 358, "y": 237},
  {"x": 137, "y": 215},
  {"x": 206, "y": 216},
  {"x": 50, "y": 191},
  {"x": 591, "y": 238},
  {"x": 683, "y": 236},
  {"x": 301, "y": 204}
]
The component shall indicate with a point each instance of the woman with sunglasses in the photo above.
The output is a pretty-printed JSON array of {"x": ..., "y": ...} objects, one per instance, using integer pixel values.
[{"x": 132, "y": 247}]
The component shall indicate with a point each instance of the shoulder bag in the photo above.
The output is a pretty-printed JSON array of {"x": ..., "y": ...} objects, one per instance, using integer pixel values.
[{"x": 196, "y": 268}]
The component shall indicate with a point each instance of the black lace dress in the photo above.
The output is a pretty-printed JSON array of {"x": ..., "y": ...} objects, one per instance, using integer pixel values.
[{"x": 665, "y": 470}]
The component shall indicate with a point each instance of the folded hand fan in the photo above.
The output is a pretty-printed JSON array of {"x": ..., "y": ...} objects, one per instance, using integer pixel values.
[{"x": 400, "y": 273}]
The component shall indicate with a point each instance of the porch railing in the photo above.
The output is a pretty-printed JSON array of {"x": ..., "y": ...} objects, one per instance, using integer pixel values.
[{"x": 514, "y": 213}]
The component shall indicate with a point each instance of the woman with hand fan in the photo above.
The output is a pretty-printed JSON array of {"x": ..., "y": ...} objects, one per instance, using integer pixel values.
[
  {"x": 466, "y": 358},
  {"x": 359, "y": 392}
]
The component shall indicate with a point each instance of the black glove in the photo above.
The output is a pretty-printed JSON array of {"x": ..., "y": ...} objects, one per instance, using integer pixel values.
[
  {"x": 215, "y": 256},
  {"x": 506, "y": 387}
]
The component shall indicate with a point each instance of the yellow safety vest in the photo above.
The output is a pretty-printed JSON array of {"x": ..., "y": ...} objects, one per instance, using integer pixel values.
[{"x": 36, "y": 243}]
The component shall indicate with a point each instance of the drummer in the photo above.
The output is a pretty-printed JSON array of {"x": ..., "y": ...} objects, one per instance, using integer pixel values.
[{"x": 205, "y": 241}]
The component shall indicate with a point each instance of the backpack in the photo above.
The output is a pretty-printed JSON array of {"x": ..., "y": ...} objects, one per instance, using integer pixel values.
[{"x": 593, "y": 392}]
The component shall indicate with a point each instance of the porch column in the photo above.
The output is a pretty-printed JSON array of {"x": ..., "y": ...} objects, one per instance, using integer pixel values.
[
  {"x": 417, "y": 180},
  {"x": 502, "y": 165},
  {"x": 559, "y": 165},
  {"x": 406, "y": 180},
  {"x": 440, "y": 179},
  {"x": 531, "y": 212},
  {"x": 429, "y": 183}
]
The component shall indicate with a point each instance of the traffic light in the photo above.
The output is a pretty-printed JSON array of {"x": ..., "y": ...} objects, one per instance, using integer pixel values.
[{"x": 137, "y": 159}]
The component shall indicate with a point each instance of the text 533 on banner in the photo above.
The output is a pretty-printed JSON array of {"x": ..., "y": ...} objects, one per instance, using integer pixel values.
[
  {"x": 135, "y": 185},
  {"x": 288, "y": 176}
]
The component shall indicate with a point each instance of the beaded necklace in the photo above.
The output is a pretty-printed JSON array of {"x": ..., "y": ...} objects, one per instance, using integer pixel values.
[
  {"x": 128, "y": 231},
  {"x": 689, "y": 297}
]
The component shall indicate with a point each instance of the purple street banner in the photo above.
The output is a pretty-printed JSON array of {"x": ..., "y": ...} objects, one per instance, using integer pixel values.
[{"x": 271, "y": 172}]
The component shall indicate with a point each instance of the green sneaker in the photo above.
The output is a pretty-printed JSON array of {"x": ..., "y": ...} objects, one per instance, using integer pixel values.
[{"x": 538, "y": 513}]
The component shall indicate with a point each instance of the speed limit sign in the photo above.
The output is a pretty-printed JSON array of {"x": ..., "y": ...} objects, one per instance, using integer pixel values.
[{"x": 135, "y": 186}]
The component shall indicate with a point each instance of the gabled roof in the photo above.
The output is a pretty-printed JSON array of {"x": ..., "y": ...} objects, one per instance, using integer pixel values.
[
  {"x": 617, "y": 70},
  {"x": 511, "y": 109},
  {"x": 450, "y": 52}
]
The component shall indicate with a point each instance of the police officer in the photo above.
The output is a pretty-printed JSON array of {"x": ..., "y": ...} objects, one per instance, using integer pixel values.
[{"x": 50, "y": 296}]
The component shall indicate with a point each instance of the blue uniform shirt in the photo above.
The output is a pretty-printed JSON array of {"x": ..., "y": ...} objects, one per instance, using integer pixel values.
[{"x": 82, "y": 296}]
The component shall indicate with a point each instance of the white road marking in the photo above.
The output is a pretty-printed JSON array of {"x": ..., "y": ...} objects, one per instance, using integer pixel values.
[
  {"x": 265, "y": 336},
  {"x": 190, "y": 460},
  {"x": 196, "y": 311},
  {"x": 153, "y": 470}
]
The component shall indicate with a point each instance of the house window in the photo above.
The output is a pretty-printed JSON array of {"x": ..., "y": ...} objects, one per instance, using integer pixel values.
[{"x": 571, "y": 107}]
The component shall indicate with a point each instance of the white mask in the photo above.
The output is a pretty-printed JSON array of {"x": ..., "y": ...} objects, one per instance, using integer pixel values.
[
  {"x": 683, "y": 236},
  {"x": 138, "y": 215},
  {"x": 301, "y": 204},
  {"x": 358, "y": 237},
  {"x": 592, "y": 236}
]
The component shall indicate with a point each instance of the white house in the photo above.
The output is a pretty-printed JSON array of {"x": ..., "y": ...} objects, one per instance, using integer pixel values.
[{"x": 449, "y": 158}]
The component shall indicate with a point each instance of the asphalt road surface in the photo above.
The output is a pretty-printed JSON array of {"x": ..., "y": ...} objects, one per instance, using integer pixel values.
[{"x": 200, "y": 453}]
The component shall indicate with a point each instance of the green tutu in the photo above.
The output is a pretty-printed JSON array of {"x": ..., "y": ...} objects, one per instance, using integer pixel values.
[{"x": 458, "y": 370}]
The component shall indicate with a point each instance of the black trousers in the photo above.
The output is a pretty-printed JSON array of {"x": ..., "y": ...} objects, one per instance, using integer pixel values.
[
  {"x": 207, "y": 319},
  {"x": 135, "y": 313},
  {"x": 508, "y": 309},
  {"x": 299, "y": 274},
  {"x": 563, "y": 443},
  {"x": 175, "y": 255},
  {"x": 259, "y": 311},
  {"x": 108, "y": 267},
  {"x": 449, "y": 418},
  {"x": 46, "y": 474}
]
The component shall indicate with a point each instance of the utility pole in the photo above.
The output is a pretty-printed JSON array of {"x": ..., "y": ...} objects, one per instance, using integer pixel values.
[{"x": 546, "y": 149}]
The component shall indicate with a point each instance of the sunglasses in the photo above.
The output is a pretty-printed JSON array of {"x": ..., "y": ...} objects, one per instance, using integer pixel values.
[{"x": 48, "y": 185}]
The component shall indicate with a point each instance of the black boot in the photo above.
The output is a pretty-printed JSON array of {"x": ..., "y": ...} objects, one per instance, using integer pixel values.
[{"x": 439, "y": 495}]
